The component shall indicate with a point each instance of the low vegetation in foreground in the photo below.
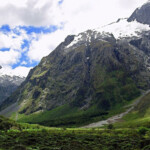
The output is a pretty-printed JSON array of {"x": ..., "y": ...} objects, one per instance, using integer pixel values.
[
  {"x": 132, "y": 133},
  {"x": 35, "y": 137}
]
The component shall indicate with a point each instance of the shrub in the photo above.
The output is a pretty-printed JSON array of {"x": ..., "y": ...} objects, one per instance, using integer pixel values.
[
  {"x": 142, "y": 130},
  {"x": 19, "y": 147},
  {"x": 110, "y": 126}
]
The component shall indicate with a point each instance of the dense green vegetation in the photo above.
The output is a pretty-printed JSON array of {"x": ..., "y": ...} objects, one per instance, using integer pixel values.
[
  {"x": 75, "y": 139},
  {"x": 140, "y": 116},
  {"x": 15, "y": 136},
  {"x": 116, "y": 91},
  {"x": 131, "y": 134},
  {"x": 70, "y": 117},
  {"x": 116, "y": 88}
]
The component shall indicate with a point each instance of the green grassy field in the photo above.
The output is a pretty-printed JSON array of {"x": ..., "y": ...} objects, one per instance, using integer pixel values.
[{"x": 70, "y": 117}]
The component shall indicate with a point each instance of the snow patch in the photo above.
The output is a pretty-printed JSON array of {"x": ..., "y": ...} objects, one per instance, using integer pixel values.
[
  {"x": 76, "y": 39},
  {"x": 120, "y": 29},
  {"x": 123, "y": 28}
]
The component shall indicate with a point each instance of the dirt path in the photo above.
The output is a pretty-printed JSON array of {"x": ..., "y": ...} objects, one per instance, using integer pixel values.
[{"x": 116, "y": 118}]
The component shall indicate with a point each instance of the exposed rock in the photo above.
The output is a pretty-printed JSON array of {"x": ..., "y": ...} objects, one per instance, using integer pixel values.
[{"x": 141, "y": 14}]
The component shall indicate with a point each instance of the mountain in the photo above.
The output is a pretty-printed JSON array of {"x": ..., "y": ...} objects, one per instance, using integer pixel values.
[
  {"x": 8, "y": 84},
  {"x": 141, "y": 14},
  {"x": 86, "y": 76}
]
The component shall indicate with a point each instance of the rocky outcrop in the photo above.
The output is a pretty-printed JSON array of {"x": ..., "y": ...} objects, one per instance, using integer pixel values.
[{"x": 141, "y": 14}]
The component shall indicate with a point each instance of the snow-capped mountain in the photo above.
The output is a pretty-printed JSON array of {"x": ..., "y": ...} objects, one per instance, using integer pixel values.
[
  {"x": 133, "y": 27},
  {"x": 99, "y": 67},
  {"x": 121, "y": 29},
  {"x": 8, "y": 83}
]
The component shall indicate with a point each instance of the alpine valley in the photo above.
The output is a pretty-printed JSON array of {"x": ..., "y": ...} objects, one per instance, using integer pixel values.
[{"x": 88, "y": 77}]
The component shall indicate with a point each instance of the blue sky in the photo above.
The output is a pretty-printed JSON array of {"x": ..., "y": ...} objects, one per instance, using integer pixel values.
[{"x": 31, "y": 29}]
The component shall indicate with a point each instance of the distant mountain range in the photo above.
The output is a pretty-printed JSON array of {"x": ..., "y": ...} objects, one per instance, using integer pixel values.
[
  {"x": 8, "y": 84},
  {"x": 88, "y": 74}
]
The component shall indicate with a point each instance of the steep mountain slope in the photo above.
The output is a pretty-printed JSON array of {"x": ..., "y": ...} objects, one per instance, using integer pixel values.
[
  {"x": 141, "y": 14},
  {"x": 8, "y": 84},
  {"x": 87, "y": 75}
]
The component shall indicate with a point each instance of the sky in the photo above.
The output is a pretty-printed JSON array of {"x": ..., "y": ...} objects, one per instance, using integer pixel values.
[{"x": 31, "y": 29}]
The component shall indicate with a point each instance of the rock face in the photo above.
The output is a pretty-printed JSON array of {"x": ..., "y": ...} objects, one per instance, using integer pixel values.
[
  {"x": 94, "y": 68},
  {"x": 141, "y": 14}
]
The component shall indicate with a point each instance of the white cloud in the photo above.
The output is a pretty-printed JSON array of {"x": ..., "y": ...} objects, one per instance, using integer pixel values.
[
  {"x": 129, "y": 4},
  {"x": 22, "y": 71},
  {"x": 24, "y": 63},
  {"x": 85, "y": 14},
  {"x": 17, "y": 3},
  {"x": 76, "y": 16},
  {"x": 80, "y": 16},
  {"x": 45, "y": 44},
  {"x": 9, "y": 57},
  {"x": 11, "y": 40},
  {"x": 81, "y": 13},
  {"x": 29, "y": 12},
  {"x": 19, "y": 71}
]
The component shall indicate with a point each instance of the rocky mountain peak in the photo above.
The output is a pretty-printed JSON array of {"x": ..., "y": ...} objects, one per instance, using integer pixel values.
[
  {"x": 8, "y": 83},
  {"x": 141, "y": 14}
]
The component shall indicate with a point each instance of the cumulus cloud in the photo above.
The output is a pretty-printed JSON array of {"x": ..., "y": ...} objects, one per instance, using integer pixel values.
[
  {"x": 12, "y": 40},
  {"x": 50, "y": 12},
  {"x": 9, "y": 57},
  {"x": 45, "y": 44},
  {"x": 29, "y": 12}
]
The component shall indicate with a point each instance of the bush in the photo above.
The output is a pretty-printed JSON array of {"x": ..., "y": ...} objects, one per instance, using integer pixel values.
[
  {"x": 19, "y": 147},
  {"x": 142, "y": 130},
  {"x": 44, "y": 131},
  {"x": 110, "y": 126}
]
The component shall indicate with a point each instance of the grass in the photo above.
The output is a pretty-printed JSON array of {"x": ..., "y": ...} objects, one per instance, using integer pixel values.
[
  {"x": 140, "y": 116},
  {"x": 71, "y": 116}
]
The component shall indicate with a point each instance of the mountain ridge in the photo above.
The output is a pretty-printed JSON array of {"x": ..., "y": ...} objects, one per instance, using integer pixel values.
[
  {"x": 94, "y": 69},
  {"x": 8, "y": 84}
]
